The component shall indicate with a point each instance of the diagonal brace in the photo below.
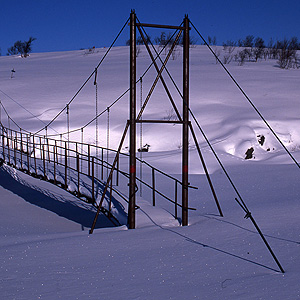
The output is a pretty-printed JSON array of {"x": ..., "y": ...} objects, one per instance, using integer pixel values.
[
  {"x": 206, "y": 171},
  {"x": 159, "y": 76},
  {"x": 109, "y": 177},
  {"x": 248, "y": 215}
]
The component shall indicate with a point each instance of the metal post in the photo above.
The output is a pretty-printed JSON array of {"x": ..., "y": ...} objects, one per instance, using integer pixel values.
[
  {"x": 56, "y": 152},
  {"x": 93, "y": 180},
  {"x": 102, "y": 166},
  {"x": 44, "y": 163},
  {"x": 110, "y": 196},
  {"x": 28, "y": 157},
  {"x": 107, "y": 141},
  {"x": 66, "y": 166},
  {"x": 61, "y": 149},
  {"x": 176, "y": 182},
  {"x": 185, "y": 130},
  {"x": 132, "y": 147},
  {"x": 33, "y": 141},
  {"x": 54, "y": 163},
  {"x": 41, "y": 154},
  {"x": 89, "y": 159},
  {"x": 8, "y": 150},
  {"x": 118, "y": 171},
  {"x": 109, "y": 177},
  {"x": 78, "y": 173},
  {"x": 21, "y": 150},
  {"x": 45, "y": 150},
  {"x": 82, "y": 145},
  {"x": 153, "y": 187},
  {"x": 48, "y": 150},
  {"x": 11, "y": 141},
  {"x": 15, "y": 151},
  {"x": 3, "y": 145}
]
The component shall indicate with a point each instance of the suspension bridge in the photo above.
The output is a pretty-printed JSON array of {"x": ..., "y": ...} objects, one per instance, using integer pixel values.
[
  {"x": 99, "y": 175},
  {"x": 93, "y": 173}
]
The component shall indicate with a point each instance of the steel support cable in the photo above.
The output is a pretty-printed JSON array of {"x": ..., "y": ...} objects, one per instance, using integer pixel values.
[
  {"x": 159, "y": 76},
  {"x": 164, "y": 63},
  {"x": 249, "y": 216},
  {"x": 213, "y": 150},
  {"x": 87, "y": 80},
  {"x": 165, "y": 68},
  {"x": 9, "y": 97},
  {"x": 215, "y": 154},
  {"x": 112, "y": 104},
  {"x": 248, "y": 99},
  {"x": 204, "y": 135},
  {"x": 96, "y": 112},
  {"x": 10, "y": 117},
  {"x": 240, "y": 201},
  {"x": 198, "y": 125},
  {"x": 107, "y": 138},
  {"x": 68, "y": 124},
  {"x": 209, "y": 180},
  {"x": 124, "y": 93},
  {"x": 206, "y": 139},
  {"x": 141, "y": 137},
  {"x": 117, "y": 100}
]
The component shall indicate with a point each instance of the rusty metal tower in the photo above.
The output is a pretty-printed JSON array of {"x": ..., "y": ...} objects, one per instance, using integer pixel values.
[{"x": 133, "y": 119}]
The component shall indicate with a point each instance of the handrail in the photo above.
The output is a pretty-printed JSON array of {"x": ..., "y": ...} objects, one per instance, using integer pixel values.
[{"x": 32, "y": 153}]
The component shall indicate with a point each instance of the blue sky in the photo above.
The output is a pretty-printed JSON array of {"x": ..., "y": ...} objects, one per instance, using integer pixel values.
[{"x": 61, "y": 25}]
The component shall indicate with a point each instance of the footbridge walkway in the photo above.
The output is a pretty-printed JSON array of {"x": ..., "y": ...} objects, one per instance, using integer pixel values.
[{"x": 83, "y": 169}]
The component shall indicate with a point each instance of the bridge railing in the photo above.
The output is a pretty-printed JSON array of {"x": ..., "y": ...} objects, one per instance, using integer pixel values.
[{"x": 80, "y": 168}]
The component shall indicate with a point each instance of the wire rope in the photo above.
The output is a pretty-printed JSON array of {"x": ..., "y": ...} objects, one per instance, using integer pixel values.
[
  {"x": 248, "y": 98},
  {"x": 15, "y": 101},
  {"x": 68, "y": 123},
  {"x": 107, "y": 139},
  {"x": 8, "y": 116},
  {"x": 112, "y": 104},
  {"x": 158, "y": 56},
  {"x": 87, "y": 80},
  {"x": 96, "y": 113},
  {"x": 205, "y": 137},
  {"x": 239, "y": 87},
  {"x": 141, "y": 137},
  {"x": 117, "y": 99}
]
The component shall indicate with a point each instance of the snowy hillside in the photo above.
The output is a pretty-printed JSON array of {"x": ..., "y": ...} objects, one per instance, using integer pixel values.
[{"x": 45, "y": 248}]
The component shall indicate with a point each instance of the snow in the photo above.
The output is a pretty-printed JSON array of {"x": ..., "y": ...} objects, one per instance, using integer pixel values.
[{"x": 45, "y": 248}]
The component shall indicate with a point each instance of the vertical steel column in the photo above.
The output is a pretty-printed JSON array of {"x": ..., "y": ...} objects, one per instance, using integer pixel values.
[
  {"x": 54, "y": 163},
  {"x": 21, "y": 150},
  {"x": 153, "y": 187},
  {"x": 34, "y": 156},
  {"x": 132, "y": 146},
  {"x": 93, "y": 180},
  {"x": 44, "y": 163},
  {"x": 28, "y": 157},
  {"x": 185, "y": 128},
  {"x": 89, "y": 160},
  {"x": 118, "y": 171},
  {"x": 102, "y": 166},
  {"x": 78, "y": 173},
  {"x": 66, "y": 166},
  {"x": 176, "y": 202},
  {"x": 15, "y": 152}
]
